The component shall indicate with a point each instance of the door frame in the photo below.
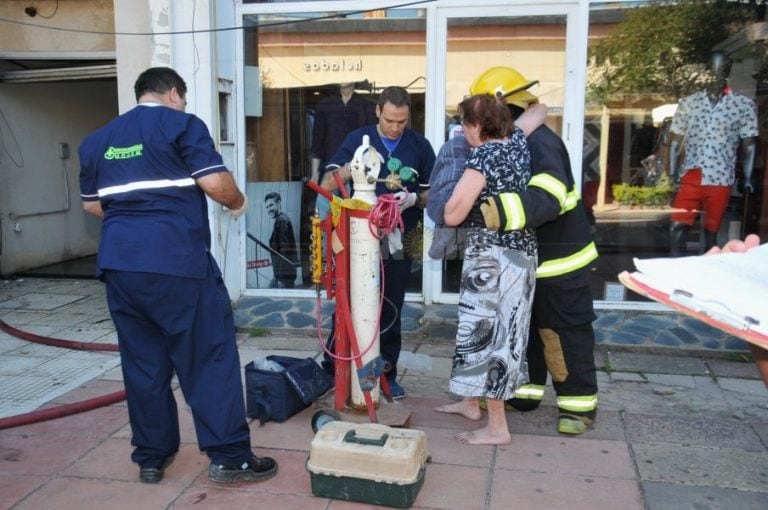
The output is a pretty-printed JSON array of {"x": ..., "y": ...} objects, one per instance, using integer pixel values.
[{"x": 576, "y": 13}]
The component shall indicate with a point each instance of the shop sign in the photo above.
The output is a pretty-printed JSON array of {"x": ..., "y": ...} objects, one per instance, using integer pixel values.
[{"x": 334, "y": 65}]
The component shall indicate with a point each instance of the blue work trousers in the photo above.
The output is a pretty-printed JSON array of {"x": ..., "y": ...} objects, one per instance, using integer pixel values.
[{"x": 166, "y": 323}]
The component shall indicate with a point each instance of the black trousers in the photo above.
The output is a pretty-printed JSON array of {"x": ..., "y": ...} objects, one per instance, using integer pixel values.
[{"x": 562, "y": 343}]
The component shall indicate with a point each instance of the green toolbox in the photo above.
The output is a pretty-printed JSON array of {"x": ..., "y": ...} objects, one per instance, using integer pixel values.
[{"x": 368, "y": 462}]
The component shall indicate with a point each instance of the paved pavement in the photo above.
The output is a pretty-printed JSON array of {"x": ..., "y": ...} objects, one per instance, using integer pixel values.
[{"x": 675, "y": 429}]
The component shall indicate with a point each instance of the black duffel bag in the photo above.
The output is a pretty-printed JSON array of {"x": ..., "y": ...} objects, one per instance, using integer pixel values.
[{"x": 276, "y": 396}]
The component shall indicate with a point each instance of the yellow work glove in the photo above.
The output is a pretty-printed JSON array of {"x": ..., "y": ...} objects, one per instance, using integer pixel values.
[{"x": 490, "y": 214}]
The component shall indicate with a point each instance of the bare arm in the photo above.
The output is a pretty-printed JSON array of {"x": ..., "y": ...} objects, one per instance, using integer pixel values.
[
  {"x": 422, "y": 199},
  {"x": 328, "y": 182},
  {"x": 221, "y": 187},
  {"x": 93, "y": 207},
  {"x": 315, "y": 169},
  {"x": 532, "y": 118},
  {"x": 464, "y": 196}
]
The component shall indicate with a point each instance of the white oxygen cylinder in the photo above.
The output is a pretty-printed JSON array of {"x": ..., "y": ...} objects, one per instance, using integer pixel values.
[{"x": 364, "y": 269}]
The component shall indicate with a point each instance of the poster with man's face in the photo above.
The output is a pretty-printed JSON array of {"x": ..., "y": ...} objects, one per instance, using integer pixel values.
[{"x": 272, "y": 235}]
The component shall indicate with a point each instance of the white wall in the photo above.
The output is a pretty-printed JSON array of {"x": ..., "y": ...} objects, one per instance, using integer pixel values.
[
  {"x": 202, "y": 58},
  {"x": 134, "y": 53},
  {"x": 91, "y": 21},
  {"x": 41, "y": 216},
  {"x": 229, "y": 249}
]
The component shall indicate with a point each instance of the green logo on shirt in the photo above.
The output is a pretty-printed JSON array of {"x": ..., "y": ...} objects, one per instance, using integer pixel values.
[{"x": 124, "y": 152}]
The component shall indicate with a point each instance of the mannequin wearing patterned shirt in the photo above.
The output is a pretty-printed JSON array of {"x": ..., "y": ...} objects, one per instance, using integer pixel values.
[{"x": 712, "y": 123}]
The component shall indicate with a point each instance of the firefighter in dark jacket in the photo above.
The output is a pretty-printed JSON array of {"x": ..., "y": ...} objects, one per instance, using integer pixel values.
[{"x": 562, "y": 340}]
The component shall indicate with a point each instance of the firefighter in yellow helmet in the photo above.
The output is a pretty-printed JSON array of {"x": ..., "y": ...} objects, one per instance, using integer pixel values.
[{"x": 561, "y": 337}]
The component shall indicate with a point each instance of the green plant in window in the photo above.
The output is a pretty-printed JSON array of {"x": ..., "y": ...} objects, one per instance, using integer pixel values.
[
  {"x": 619, "y": 192},
  {"x": 645, "y": 195},
  {"x": 649, "y": 196}
]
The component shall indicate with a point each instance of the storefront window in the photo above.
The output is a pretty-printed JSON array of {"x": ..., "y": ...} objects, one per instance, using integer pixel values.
[
  {"x": 532, "y": 45},
  {"x": 309, "y": 80},
  {"x": 648, "y": 64},
  {"x": 674, "y": 149}
]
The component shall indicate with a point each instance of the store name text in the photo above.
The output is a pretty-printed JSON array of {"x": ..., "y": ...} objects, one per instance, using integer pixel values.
[{"x": 334, "y": 65}]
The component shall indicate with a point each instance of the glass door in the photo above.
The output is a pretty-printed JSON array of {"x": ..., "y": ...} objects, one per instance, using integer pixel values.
[{"x": 544, "y": 42}]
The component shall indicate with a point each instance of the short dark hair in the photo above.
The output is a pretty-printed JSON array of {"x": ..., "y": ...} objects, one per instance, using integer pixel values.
[
  {"x": 273, "y": 195},
  {"x": 398, "y": 96},
  {"x": 490, "y": 113},
  {"x": 159, "y": 80}
]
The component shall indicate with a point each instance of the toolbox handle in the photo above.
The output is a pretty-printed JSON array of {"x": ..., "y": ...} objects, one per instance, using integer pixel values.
[{"x": 351, "y": 437}]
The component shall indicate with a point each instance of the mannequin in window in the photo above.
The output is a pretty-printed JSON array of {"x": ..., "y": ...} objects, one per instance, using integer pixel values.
[
  {"x": 335, "y": 117},
  {"x": 712, "y": 123}
]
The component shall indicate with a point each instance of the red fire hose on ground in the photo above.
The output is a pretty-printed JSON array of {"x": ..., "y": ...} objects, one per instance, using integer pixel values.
[
  {"x": 56, "y": 342},
  {"x": 66, "y": 409}
]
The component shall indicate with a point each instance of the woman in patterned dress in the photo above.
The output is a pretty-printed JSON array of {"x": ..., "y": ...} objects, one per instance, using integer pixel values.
[{"x": 498, "y": 273}]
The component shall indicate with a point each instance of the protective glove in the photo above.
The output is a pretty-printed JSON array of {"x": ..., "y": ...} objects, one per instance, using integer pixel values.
[
  {"x": 405, "y": 200},
  {"x": 491, "y": 217},
  {"x": 395, "y": 241},
  {"x": 236, "y": 213}
]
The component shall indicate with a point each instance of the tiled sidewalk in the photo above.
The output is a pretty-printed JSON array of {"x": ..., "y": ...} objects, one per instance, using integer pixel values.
[
  {"x": 82, "y": 462},
  {"x": 673, "y": 431}
]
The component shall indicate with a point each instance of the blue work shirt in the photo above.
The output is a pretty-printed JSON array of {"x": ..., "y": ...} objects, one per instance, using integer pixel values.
[
  {"x": 412, "y": 150},
  {"x": 143, "y": 167}
]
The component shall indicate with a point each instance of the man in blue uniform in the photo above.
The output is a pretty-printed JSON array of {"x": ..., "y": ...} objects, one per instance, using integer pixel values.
[
  {"x": 401, "y": 147},
  {"x": 147, "y": 174}
]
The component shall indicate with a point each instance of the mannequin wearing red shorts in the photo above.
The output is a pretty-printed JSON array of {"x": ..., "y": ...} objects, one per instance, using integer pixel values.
[{"x": 713, "y": 123}]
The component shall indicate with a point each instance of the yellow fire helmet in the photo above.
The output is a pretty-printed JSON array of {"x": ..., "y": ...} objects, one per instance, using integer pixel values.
[{"x": 506, "y": 83}]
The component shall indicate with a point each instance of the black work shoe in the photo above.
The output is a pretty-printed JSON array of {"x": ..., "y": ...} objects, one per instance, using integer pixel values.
[
  {"x": 154, "y": 474},
  {"x": 150, "y": 475},
  {"x": 257, "y": 468}
]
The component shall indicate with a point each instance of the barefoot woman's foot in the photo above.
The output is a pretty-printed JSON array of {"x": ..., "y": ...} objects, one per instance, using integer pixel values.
[
  {"x": 484, "y": 436},
  {"x": 466, "y": 408}
]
